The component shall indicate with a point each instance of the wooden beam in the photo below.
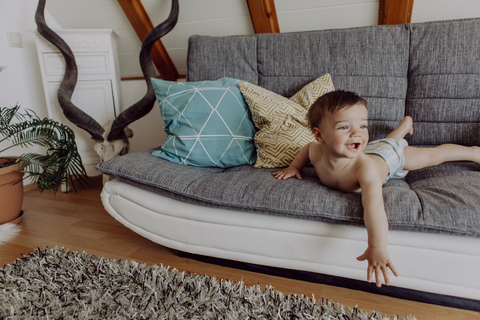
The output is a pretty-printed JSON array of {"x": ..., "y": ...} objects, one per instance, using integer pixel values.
[
  {"x": 142, "y": 25},
  {"x": 264, "y": 16},
  {"x": 395, "y": 11}
]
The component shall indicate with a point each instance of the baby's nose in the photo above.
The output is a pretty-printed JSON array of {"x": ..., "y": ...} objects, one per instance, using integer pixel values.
[{"x": 355, "y": 132}]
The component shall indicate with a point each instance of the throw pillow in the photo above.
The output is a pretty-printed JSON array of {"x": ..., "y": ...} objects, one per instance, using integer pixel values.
[
  {"x": 207, "y": 123},
  {"x": 284, "y": 128}
]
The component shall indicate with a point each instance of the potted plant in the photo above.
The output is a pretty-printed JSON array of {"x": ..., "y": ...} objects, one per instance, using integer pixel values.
[{"x": 59, "y": 163}]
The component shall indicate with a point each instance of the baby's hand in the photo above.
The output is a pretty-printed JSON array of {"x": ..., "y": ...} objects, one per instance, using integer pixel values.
[
  {"x": 378, "y": 262},
  {"x": 287, "y": 173}
]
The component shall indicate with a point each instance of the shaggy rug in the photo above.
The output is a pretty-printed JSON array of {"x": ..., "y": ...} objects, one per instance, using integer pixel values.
[{"x": 61, "y": 284}]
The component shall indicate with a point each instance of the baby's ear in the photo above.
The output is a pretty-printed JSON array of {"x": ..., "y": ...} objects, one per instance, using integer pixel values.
[{"x": 318, "y": 135}]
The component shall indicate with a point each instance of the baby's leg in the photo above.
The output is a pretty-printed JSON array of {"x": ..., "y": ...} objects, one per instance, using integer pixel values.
[
  {"x": 418, "y": 158},
  {"x": 405, "y": 127}
]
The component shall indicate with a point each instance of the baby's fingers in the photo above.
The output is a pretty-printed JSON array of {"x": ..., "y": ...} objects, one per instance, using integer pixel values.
[
  {"x": 392, "y": 267},
  {"x": 385, "y": 272},
  {"x": 369, "y": 273},
  {"x": 385, "y": 276},
  {"x": 279, "y": 174},
  {"x": 378, "y": 278}
]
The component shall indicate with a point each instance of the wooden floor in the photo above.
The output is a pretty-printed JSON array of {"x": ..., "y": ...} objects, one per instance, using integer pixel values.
[{"x": 77, "y": 221}]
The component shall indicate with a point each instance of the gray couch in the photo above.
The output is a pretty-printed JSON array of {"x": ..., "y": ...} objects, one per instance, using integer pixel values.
[{"x": 430, "y": 71}]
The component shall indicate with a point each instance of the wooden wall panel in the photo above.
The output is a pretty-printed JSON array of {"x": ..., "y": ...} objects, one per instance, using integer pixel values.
[
  {"x": 142, "y": 25},
  {"x": 264, "y": 16},
  {"x": 395, "y": 11}
]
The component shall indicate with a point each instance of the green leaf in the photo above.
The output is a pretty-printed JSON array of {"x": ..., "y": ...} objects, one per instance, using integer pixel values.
[{"x": 60, "y": 162}]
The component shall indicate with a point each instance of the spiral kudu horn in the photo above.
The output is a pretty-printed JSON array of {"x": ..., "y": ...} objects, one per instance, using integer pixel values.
[
  {"x": 143, "y": 106},
  {"x": 112, "y": 141},
  {"x": 65, "y": 91}
]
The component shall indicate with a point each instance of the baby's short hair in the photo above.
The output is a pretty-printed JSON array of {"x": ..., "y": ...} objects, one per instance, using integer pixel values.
[{"x": 331, "y": 102}]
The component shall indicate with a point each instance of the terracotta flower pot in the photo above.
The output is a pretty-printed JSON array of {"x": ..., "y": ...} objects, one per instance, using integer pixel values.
[{"x": 11, "y": 193}]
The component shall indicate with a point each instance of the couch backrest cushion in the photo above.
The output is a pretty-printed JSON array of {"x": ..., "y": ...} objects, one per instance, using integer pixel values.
[
  {"x": 372, "y": 61},
  {"x": 444, "y": 82},
  {"x": 430, "y": 71},
  {"x": 211, "y": 58}
]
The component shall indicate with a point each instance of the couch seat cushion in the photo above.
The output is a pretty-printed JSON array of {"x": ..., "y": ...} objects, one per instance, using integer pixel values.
[{"x": 442, "y": 199}]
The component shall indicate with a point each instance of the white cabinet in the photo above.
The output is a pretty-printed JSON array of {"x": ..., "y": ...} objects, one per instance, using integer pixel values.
[{"x": 97, "y": 90}]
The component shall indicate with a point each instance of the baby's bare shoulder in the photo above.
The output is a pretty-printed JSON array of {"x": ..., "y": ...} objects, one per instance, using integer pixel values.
[
  {"x": 315, "y": 145},
  {"x": 372, "y": 166}
]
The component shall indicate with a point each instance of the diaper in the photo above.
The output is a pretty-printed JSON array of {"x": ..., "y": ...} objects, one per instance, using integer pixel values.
[{"x": 391, "y": 150}]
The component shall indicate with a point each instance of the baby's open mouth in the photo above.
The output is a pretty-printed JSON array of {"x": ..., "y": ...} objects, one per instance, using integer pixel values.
[{"x": 354, "y": 146}]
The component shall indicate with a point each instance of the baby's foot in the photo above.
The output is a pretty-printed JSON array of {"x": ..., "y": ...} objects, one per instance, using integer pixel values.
[
  {"x": 477, "y": 155},
  {"x": 406, "y": 125}
]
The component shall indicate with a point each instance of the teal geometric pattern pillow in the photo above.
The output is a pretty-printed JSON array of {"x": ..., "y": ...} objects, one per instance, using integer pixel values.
[{"x": 208, "y": 123}]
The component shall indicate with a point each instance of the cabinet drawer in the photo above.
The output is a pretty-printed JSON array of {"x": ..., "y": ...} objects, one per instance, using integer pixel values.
[{"x": 87, "y": 63}]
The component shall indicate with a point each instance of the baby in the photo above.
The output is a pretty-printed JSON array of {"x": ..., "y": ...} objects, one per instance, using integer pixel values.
[{"x": 344, "y": 159}]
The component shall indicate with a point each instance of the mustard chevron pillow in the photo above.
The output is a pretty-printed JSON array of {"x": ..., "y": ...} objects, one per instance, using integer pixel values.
[{"x": 283, "y": 124}]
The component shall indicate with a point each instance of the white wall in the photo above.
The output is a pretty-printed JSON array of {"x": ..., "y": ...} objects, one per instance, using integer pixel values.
[
  {"x": 431, "y": 10},
  {"x": 301, "y": 15},
  {"x": 21, "y": 81},
  {"x": 229, "y": 18},
  {"x": 147, "y": 131}
]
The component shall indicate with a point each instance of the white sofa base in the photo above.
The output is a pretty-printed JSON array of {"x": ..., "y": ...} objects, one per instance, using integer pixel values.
[{"x": 433, "y": 263}]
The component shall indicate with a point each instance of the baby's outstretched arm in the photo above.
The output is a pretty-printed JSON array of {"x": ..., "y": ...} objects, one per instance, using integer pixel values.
[
  {"x": 376, "y": 222},
  {"x": 293, "y": 170}
]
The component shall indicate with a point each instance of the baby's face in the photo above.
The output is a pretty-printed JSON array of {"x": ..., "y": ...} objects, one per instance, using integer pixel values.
[{"x": 344, "y": 133}]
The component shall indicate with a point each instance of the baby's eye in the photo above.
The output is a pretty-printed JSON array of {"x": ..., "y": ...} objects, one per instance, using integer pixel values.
[
  {"x": 343, "y": 128},
  {"x": 364, "y": 126}
]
